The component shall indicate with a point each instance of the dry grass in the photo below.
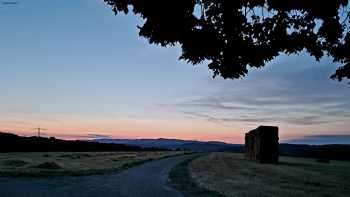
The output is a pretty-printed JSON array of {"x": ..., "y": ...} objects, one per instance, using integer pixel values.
[
  {"x": 229, "y": 174},
  {"x": 180, "y": 179},
  {"x": 73, "y": 163}
]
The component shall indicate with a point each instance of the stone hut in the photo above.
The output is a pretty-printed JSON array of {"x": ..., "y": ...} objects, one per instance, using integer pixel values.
[{"x": 261, "y": 144}]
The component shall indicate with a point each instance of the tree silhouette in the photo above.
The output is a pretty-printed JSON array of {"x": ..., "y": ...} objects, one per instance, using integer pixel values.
[{"x": 232, "y": 35}]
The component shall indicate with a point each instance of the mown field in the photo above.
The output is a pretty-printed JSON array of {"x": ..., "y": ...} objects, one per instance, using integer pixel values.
[
  {"x": 228, "y": 174},
  {"x": 73, "y": 163}
]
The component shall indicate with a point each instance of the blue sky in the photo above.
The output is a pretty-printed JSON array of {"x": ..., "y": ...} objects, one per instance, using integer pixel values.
[{"x": 78, "y": 70}]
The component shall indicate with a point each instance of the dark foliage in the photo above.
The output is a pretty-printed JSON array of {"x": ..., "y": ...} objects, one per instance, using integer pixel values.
[
  {"x": 232, "y": 35},
  {"x": 323, "y": 152},
  {"x": 14, "y": 143}
]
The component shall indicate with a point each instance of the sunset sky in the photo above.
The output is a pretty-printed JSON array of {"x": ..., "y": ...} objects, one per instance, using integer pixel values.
[{"x": 74, "y": 68}]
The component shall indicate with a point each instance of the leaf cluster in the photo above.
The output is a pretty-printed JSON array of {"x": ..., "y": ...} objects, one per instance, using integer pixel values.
[{"x": 233, "y": 35}]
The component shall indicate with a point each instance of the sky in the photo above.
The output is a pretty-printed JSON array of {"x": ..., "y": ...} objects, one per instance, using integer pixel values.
[{"x": 79, "y": 71}]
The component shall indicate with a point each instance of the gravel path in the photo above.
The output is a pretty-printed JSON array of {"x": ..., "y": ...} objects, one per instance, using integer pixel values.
[{"x": 147, "y": 180}]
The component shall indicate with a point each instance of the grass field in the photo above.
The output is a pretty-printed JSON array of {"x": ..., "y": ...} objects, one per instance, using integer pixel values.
[
  {"x": 73, "y": 163},
  {"x": 182, "y": 181},
  {"x": 228, "y": 174}
]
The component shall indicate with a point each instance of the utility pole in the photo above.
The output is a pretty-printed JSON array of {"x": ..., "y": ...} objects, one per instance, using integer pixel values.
[{"x": 39, "y": 129}]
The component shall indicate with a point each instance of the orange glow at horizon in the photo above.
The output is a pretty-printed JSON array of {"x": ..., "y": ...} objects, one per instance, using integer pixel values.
[{"x": 150, "y": 128}]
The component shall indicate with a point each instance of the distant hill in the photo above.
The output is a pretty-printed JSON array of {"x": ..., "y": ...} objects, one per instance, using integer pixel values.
[
  {"x": 175, "y": 144},
  {"x": 13, "y": 143},
  {"x": 332, "y": 151}
]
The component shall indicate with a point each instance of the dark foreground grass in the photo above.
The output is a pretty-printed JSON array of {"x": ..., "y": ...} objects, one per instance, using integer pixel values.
[
  {"x": 183, "y": 182},
  {"x": 230, "y": 175}
]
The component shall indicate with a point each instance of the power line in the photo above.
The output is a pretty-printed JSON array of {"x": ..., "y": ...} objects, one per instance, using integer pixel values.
[{"x": 39, "y": 129}]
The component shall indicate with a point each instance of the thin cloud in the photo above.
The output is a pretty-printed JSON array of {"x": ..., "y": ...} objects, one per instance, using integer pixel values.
[
  {"x": 200, "y": 115},
  {"x": 302, "y": 97},
  {"x": 98, "y": 136},
  {"x": 76, "y": 136}
]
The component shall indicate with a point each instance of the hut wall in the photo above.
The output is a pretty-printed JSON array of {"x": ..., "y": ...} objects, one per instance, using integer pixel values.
[{"x": 261, "y": 144}]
